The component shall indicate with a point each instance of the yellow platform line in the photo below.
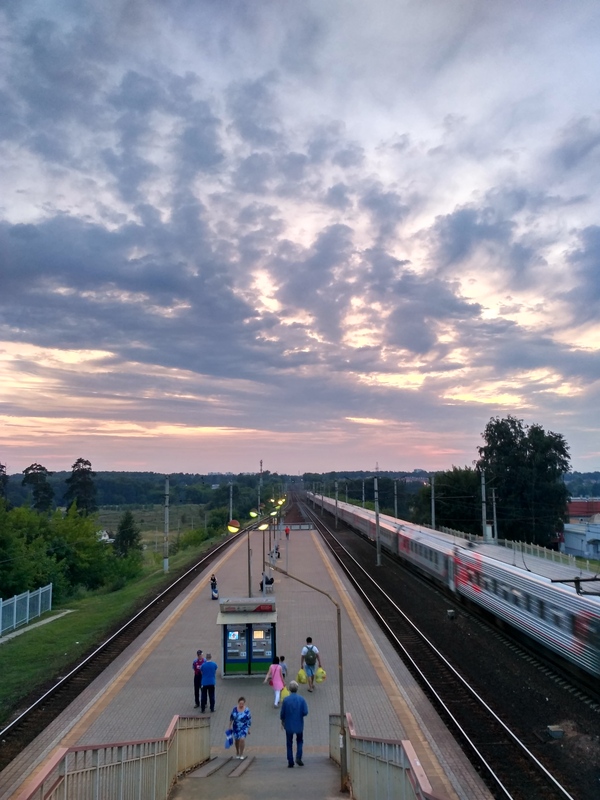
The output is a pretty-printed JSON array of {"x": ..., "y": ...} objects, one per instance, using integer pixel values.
[{"x": 428, "y": 759}]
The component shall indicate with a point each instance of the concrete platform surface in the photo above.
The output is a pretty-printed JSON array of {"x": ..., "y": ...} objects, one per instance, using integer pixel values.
[{"x": 267, "y": 778}]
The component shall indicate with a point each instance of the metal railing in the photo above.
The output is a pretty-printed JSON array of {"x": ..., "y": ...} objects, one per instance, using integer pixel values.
[
  {"x": 379, "y": 769},
  {"x": 144, "y": 770},
  {"x": 22, "y": 608}
]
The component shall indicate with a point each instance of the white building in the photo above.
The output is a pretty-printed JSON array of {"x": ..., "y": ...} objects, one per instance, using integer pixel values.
[{"x": 582, "y": 539}]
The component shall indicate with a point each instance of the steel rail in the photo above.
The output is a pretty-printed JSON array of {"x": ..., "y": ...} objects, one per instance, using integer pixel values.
[{"x": 323, "y": 528}]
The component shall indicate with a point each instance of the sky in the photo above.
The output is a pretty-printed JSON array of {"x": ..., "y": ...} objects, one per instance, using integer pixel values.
[{"x": 327, "y": 235}]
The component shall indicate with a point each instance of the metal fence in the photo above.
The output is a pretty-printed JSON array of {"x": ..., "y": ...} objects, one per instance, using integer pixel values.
[
  {"x": 22, "y": 608},
  {"x": 379, "y": 769},
  {"x": 145, "y": 770}
]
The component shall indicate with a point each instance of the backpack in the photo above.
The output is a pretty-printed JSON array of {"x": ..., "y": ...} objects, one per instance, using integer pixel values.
[{"x": 310, "y": 658}]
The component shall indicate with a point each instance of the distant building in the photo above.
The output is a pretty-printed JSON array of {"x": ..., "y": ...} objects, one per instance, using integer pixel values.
[{"x": 584, "y": 509}]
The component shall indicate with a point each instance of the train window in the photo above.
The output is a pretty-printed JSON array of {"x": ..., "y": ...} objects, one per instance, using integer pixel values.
[
  {"x": 541, "y": 609},
  {"x": 557, "y": 620},
  {"x": 494, "y": 586},
  {"x": 528, "y": 602},
  {"x": 516, "y": 597}
]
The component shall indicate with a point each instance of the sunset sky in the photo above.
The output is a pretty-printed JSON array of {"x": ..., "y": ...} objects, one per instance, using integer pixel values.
[{"x": 327, "y": 234}]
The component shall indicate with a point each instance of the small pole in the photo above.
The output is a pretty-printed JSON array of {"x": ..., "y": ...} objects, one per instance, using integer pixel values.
[
  {"x": 336, "y": 504},
  {"x": 377, "y": 538},
  {"x": 432, "y": 479},
  {"x": 166, "y": 536}
]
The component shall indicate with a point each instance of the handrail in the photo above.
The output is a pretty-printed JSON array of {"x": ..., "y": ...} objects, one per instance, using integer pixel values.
[
  {"x": 404, "y": 776},
  {"x": 153, "y": 764}
]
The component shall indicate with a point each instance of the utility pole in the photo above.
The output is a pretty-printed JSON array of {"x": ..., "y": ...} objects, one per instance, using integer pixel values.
[
  {"x": 377, "y": 537},
  {"x": 494, "y": 510},
  {"x": 483, "y": 506},
  {"x": 336, "y": 504},
  {"x": 166, "y": 536},
  {"x": 396, "y": 499},
  {"x": 432, "y": 479}
]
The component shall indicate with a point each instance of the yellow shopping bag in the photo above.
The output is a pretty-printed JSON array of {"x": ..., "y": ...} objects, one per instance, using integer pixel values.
[
  {"x": 301, "y": 677},
  {"x": 320, "y": 675},
  {"x": 284, "y": 693}
]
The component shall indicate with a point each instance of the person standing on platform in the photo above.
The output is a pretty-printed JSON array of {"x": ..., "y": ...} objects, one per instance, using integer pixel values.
[
  {"x": 275, "y": 678},
  {"x": 309, "y": 658},
  {"x": 293, "y": 711},
  {"x": 196, "y": 665},
  {"x": 283, "y": 666},
  {"x": 209, "y": 681},
  {"x": 240, "y": 721},
  {"x": 287, "y": 532}
]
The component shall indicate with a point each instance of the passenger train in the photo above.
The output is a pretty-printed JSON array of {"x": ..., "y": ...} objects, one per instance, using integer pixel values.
[{"x": 556, "y": 615}]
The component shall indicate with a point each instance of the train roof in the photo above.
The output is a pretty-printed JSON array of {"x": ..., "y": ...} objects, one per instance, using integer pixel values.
[{"x": 520, "y": 557}]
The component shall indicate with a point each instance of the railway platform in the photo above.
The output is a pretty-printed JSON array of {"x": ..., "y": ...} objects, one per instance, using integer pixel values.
[{"x": 152, "y": 681}]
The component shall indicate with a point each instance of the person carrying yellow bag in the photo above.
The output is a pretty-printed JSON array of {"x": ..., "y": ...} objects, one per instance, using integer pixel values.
[
  {"x": 301, "y": 676},
  {"x": 309, "y": 661}
]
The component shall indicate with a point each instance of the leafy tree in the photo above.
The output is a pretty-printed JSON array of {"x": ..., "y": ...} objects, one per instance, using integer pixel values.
[
  {"x": 73, "y": 540},
  {"x": 526, "y": 466},
  {"x": 128, "y": 538},
  {"x": 3, "y": 481},
  {"x": 26, "y": 562},
  {"x": 457, "y": 501},
  {"x": 36, "y": 476},
  {"x": 81, "y": 488}
]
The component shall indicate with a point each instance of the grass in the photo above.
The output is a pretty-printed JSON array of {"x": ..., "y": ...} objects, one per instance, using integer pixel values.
[
  {"x": 39, "y": 655},
  {"x": 150, "y": 520}
]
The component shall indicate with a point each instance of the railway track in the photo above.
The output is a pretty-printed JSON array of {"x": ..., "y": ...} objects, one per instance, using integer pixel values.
[
  {"x": 505, "y": 762},
  {"x": 22, "y": 730}
]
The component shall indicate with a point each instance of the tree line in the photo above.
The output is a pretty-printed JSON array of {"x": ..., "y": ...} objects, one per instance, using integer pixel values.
[{"x": 525, "y": 471}]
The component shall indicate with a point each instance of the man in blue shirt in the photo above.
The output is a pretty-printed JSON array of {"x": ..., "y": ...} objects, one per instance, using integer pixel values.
[
  {"x": 209, "y": 680},
  {"x": 293, "y": 711}
]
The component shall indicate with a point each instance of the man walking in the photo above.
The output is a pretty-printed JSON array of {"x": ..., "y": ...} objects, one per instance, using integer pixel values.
[
  {"x": 196, "y": 665},
  {"x": 309, "y": 658},
  {"x": 209, "y": 680},
  {"x": 293, "y": 711}
]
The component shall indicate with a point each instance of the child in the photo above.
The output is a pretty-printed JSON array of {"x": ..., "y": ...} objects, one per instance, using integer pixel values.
[{"x": 283, "y": 666}]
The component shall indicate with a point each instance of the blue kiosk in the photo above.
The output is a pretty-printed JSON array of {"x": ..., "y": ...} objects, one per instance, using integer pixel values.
[{"x": 249, "y": 635}]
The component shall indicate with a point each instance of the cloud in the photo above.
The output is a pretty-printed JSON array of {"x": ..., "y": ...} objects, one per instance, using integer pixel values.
[{"x": 280, "y": 218}]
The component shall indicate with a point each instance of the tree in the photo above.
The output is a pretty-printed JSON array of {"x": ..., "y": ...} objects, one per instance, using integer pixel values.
[
  {"x": 526, "y": 466},
  {"x": 36, "y": 476},
  {"x": 457, "y": 501},
  {"x": 81, "y": 488},
  {"x": 3, "y": 481},
  {"x": 128, "y": 538}
]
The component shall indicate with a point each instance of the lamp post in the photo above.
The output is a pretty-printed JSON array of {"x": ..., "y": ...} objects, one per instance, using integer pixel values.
[{"x": 343, "y": 755}]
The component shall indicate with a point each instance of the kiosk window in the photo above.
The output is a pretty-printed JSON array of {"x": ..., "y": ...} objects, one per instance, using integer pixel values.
[
  {"x": 236, "y": 643},
  {"x": 261, "y": 644}
]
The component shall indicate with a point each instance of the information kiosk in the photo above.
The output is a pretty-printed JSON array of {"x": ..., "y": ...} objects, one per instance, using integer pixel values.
[{"x": 249, "y": 642}]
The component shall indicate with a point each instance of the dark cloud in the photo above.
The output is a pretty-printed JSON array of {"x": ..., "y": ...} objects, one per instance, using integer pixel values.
[
  {"x": 252, "y": 105},
  {"x": 579, "y": 143}
]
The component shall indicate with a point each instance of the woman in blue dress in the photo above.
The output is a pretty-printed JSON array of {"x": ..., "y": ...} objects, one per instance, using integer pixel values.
[{"x": 240, "y": 721}]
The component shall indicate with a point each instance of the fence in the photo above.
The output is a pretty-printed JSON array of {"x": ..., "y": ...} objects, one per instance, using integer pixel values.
[
  {"x": 380, "y": 769},
  {"x": 22, "y": 608},
  {"x": 144, "y": 770}
]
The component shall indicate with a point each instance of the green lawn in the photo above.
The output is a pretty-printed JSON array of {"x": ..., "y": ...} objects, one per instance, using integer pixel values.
[{"x": 38, "y": 655}]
